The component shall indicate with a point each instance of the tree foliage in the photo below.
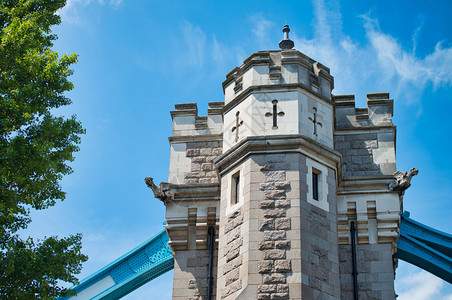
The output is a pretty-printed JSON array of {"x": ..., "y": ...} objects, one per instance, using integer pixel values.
[{"x": 35, "y": 147}]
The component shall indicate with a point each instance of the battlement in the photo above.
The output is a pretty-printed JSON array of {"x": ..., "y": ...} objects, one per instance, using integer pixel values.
[
  {"x": 186, "y": 121},
  {"x": 276, "y": 68},
  {"x": 378, "y": 112}
]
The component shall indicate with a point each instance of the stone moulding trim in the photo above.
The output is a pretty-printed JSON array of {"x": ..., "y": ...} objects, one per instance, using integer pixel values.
[
  {"x": 364, "y": 129},
  {"x": 277, "y": 144},
  {"x": 365, "y": 185},
  {"x": 198, "y": 192},
  {"x": 195, "y": 138},
  {"x": 286, "y": 87}
]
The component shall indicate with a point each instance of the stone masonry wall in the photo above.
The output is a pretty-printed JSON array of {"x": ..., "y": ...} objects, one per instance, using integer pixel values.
[
  {"x": 202, "y": 155},
  {"x": 319, "y": 244},
  {"x": 190, "y": 275},
  {"x": 274, "y": 264},
  {"x": 375, "y": 271},
  {"x": 357, "y": 154},
  {"x": 232, "y": 252}
]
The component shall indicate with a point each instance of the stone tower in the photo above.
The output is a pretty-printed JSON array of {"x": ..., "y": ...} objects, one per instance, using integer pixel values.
[{"x": 281, "y": 191}]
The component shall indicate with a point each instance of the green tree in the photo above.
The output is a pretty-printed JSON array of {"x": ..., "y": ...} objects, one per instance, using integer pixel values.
[{"x": 35, "y": 146}]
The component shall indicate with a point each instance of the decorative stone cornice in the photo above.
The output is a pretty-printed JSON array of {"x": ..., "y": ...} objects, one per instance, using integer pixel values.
[
  {"x": 278, "y": 144},
  {"x": 194, "y": 192},
  {"x": 365, "y": 185},
  {"x": 195, "y": 138}
]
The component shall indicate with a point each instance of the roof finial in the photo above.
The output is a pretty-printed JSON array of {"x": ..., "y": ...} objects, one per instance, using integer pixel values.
[{"x": 286, "y": 43}]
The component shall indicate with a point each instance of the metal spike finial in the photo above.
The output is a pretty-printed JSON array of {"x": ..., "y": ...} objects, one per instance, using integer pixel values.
[{"x": 286, "y": 43}]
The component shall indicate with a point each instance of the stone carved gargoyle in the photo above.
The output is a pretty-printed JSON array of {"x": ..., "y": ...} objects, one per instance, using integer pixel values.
[
  {"x": 162, "y": 192},
  {"x": 403, "y": 181}
]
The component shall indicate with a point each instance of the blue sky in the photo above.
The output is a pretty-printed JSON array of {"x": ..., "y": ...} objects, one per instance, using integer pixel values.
[{"x": 138, "y": 58}]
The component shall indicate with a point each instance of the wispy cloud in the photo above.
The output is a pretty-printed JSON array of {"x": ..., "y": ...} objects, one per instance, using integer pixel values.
[
  {"x": 194, "y": 43},
  {"x": 261, "y": 28},
  {"x": 380, "y": 63},
  {"x": 420, "y": 286}
]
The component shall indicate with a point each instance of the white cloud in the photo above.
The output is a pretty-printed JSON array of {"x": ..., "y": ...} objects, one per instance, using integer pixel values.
[
  {"x": 218, "y": 52},
  {"x": 421, "y": 285},
  {"x": 261, "y": 28},
  {"x": 379, "y": 64},
  {"x": 195, "y": 42}
]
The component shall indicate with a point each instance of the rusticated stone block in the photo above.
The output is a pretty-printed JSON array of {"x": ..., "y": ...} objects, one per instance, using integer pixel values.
[
  {"x": 282, "y": 185},
  {"x": 207, "y": 167},
  {"x": 234, "y": 215},
  {"x": 282, "y": 203},
  {"x": 280, "y": 296},
  {"x": 205, "y": 151},
  {"x": 283, "y": 288},
  {"x": 198, "y": 159},
  {"x": 232, "y": 288},
  {"x": 265, "y": 266},
  {"x": 232, "y": 276},
  {"x": 195, "y": 167},
  {"x": 232, "y": 254},
  {"x": 264, "y": 296},
  {"x": 274, "y": 235},
  {"x": 267, "y": 288},
  {"x": 267, "y": 203},
  {"x": 274, "y": 213},
  {"x": 274, "y": 278},
  {"x": 234, "y": 245},
  {"x": 192, "y": 152},
  {"x": 283, "y": 266},
  {"x": 275, "y": 194},
  {"x": 211, "y": 174},
  {"x": 235, "y": 263},
  {"x": 266, "y": 224},
  {"x": 191, "y": 181},
  {"x": 282, "y": 244},
  {"x": 205, "y": 180},
  {"x": 266, "y": 245},
  {"x": 267, "y": 186},
  {"x": 275, "y": 254},
  {"x": 282, "y": 224},
  {"x": 233, "y": 223},
  {"x": 233, "y": 235}
]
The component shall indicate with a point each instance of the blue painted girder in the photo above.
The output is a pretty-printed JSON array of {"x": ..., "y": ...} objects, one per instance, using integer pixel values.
[
  {"x": 425, "y": 247},
  {"x": 139, "y": 266}
]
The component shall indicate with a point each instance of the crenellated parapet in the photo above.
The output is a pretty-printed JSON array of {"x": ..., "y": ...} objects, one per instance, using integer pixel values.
[
  {"x": 278, "y": 69},
  {"x": 187, "y": 123},
  {"x": 196, "y": 141},
  {"x": 378, "y": 112},
  {"x": 365, "y": 136}
]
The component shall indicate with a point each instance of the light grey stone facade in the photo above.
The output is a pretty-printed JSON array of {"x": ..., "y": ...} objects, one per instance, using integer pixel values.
[{"x": 280, "y": 169}]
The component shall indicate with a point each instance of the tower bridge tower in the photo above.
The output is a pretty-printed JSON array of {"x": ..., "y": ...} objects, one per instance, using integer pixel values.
[{"x": 281, "y": 191}]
